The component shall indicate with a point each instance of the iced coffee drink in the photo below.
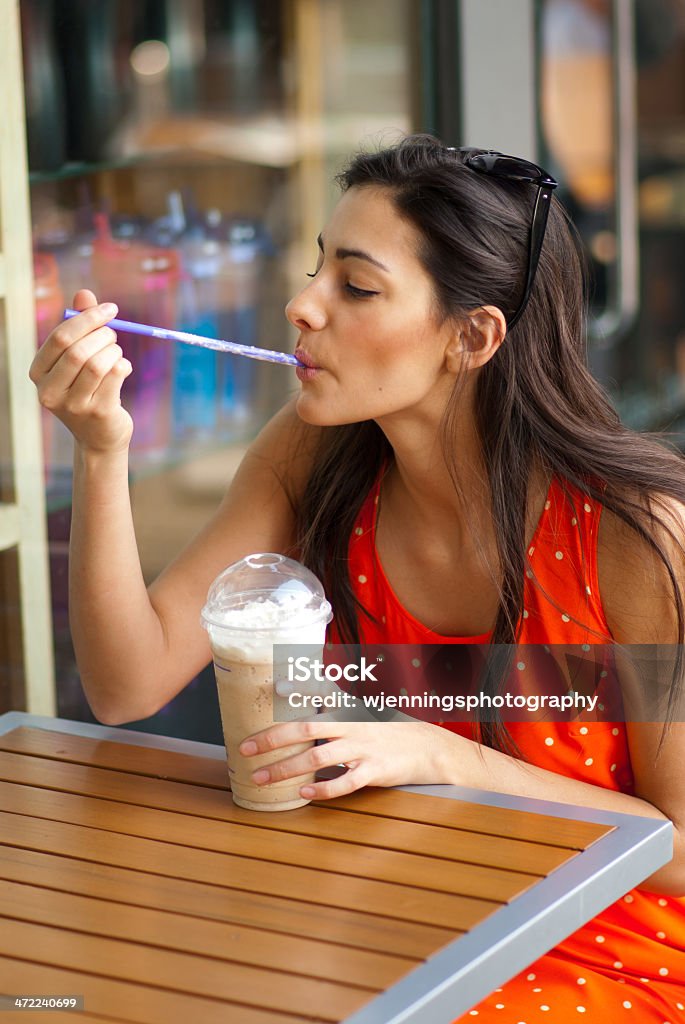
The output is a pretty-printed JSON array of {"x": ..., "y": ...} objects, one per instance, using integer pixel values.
[{"x": 264, "y": 599}]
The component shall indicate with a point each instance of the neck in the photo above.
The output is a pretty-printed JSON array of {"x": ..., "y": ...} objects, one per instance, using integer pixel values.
[{"x": 421, "y": 479}]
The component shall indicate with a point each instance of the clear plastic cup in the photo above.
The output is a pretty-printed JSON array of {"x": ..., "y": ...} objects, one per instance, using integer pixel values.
[{"x": 262, "y": 600}]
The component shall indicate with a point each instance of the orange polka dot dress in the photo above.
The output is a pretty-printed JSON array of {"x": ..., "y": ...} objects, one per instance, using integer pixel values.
[{"x": 628, "y": 963}]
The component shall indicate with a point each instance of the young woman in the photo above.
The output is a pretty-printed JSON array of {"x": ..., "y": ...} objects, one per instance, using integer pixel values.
[{"x": 454, "y": 474}]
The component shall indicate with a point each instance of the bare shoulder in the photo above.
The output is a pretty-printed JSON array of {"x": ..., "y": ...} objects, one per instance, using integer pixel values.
[{"x": 635, "y": 585}]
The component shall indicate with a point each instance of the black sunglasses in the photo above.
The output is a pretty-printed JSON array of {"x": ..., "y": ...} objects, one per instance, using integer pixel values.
[{"x": 514, "y": 168}]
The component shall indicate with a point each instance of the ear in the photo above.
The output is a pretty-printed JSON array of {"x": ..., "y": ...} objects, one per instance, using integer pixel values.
[{"x": 477, "y": 339}]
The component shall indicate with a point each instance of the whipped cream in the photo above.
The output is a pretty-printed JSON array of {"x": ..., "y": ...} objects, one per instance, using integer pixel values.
[
  {"x": 248, "y": 633},
  {"x": 266, "y": 613}
]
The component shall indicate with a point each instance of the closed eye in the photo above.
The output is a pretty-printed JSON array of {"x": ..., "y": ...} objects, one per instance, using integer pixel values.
[{"x": 359, "y": 293}]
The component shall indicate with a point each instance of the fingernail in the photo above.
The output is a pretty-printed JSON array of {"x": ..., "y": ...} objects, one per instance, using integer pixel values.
[
  {"x": 108, "y": 309},
  {"x": 261, "y": 776},
  {"x": 308, "y": 792},
  {"x": 248, "y": 748}
]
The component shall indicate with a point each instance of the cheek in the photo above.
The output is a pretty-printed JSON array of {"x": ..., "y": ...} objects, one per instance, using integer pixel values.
[
  {"x": 390, "y": 380},
  {"x": 407, "y": 356}
]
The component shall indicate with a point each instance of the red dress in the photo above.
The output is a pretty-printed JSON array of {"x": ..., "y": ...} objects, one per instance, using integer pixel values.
[{"x": 628, "y": 963}]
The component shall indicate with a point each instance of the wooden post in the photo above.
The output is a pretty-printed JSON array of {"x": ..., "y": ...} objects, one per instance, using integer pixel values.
[
  {"x": 308, "y": 180},
  {"x": 22, "y": 521}
]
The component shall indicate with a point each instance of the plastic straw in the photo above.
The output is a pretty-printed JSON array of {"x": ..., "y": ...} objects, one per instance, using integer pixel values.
[{"x": 232, "y": 347}]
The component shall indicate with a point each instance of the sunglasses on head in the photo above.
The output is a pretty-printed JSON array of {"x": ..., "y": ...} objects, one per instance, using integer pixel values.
[{"x": 513, "y": 168}]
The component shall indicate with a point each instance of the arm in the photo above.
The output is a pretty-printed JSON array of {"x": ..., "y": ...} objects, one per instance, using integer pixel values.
[{"x": 136, "y": 649}]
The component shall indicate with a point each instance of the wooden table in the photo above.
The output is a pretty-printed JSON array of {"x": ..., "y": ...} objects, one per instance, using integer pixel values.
[{"x": 128, "y": 876}]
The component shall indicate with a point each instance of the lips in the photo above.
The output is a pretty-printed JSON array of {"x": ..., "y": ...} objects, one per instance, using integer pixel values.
[
  {"x": 308, "y": 370},
  {"x": 305, "y": 359}
]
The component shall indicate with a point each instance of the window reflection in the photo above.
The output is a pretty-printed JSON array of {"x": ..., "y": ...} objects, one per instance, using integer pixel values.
[{"x": 643, "y": 362}]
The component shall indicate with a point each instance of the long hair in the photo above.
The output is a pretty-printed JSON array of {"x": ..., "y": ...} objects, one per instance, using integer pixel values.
[{"x": 536, "y": 402}]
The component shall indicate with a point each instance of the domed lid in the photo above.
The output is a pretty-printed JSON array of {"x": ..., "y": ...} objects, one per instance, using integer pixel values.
[{"x": 265, "y": 591}]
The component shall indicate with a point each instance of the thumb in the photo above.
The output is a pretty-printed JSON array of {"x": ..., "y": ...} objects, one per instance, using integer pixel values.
[{"x": 84, "y": 299}]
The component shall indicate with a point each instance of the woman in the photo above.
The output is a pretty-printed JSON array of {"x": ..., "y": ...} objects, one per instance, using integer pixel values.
[{"x": 454, "y": 474}]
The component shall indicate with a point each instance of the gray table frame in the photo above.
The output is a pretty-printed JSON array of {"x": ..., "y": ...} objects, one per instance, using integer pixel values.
[{"x": 472, "y": 966}]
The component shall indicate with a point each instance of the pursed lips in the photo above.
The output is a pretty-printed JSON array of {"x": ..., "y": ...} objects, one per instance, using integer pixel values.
[{"x": 306, "y": 359}]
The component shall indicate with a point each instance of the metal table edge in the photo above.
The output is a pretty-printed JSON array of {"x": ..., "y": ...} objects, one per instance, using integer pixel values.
[
  {"x": 14, "y": 719},
  {"x": 458, "y": 976}
]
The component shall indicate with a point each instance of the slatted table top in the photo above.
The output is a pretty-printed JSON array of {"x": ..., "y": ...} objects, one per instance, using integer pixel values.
[{"x": 128, "y": 876}]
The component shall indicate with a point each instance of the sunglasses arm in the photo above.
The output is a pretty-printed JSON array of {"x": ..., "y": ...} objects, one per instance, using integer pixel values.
[{"x": 537, "y": 234}]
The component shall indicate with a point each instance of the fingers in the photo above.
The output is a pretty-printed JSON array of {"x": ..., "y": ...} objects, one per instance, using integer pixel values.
[
  {"x": 98, "y": 382},
  {"x": 338, "y": 750},
  {"x": 68, "y": 334},
  {"x": 343, "y": 785},
  {"x": 286, "y": 733},
  {"x": 374, "y": 753},
  {"x": 80, "y": 370},
  {"x": 108, "y": 394},
  {"x": 78, "y": 373},
  {"x": 83, "y": 299},
  {"x": 311, "y": 760},
  {"x": 74, "y": 360}
]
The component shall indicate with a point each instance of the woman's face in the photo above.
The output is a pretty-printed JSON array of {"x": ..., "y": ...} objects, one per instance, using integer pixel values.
[{"x": 368, "y": 326}]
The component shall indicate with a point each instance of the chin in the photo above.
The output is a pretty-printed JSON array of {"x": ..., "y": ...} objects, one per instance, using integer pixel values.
[
  {"x": 316, "y": 415},
  {"x": 319, "y": 413}
]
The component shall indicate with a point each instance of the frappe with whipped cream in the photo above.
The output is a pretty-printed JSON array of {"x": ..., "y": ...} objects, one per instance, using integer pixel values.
[{"x": 262, "y": 600}]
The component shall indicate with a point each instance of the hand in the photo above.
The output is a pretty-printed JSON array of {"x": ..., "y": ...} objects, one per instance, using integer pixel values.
[
  {"x": 376, "y": 754},
  {"x": 78, "y": 372}
]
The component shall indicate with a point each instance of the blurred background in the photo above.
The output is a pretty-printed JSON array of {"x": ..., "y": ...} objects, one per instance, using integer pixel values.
[{"x": 180, "y": 160}]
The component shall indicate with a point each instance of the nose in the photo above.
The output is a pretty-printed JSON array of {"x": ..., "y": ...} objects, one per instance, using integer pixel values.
[{"x": 305, "y": 312}]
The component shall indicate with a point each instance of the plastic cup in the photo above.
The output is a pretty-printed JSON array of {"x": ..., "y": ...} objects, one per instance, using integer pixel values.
[{"x": 264, "y": 599}]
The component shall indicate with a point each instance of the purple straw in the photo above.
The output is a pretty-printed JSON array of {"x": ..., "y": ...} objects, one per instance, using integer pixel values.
[{"x": 232, "y": 347}]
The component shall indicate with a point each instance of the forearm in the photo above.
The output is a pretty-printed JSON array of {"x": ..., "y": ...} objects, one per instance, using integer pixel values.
[
  {"x": 118, "y": 638},
  {"x": 466, "y": 763}
]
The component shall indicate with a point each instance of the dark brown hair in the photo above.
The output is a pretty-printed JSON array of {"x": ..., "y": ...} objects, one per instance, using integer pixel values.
[{"x": 536, "y": 402}]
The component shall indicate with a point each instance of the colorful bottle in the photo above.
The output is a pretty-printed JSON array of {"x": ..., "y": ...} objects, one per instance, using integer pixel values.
[
  {"x": 243, "y": 251},
  {"x": 143, "y": 280}
]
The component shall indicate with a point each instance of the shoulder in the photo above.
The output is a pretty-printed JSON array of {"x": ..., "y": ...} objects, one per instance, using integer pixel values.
[{"x": 635, "y": 585}]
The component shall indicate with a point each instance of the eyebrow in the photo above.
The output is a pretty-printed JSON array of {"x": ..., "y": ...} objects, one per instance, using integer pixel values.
[{"x": 358, "y": 254}]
